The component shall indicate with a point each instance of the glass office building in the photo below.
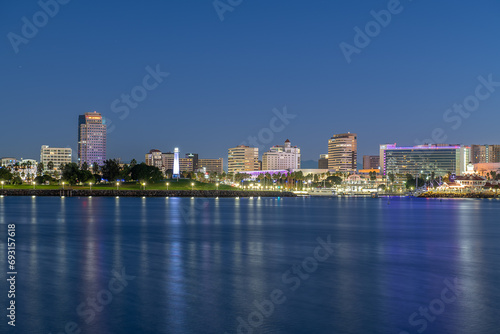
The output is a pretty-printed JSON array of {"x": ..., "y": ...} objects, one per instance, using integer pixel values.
[
  {"x": 91, "y": 139},
  {"x": 424, "y": 159}
]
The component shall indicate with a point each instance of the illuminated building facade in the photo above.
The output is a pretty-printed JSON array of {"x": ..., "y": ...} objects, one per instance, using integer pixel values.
[
  {"x": 424, "y": 159},
  {"x": 91, "y": 139},
  {"x": 57, "y": 155},
  {"x": 211, "y": 165},
  {"x": 485, "y": 154},
  {"x": 281, "y": 157},
  {"x": 242, "y": 158},
  {"x": 343, "y": 152}
]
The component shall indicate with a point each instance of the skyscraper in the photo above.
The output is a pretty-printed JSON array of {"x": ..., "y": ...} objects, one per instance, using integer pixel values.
[
  {"x": 91, "y": 139},
  {"x": 343, "y": 152}
]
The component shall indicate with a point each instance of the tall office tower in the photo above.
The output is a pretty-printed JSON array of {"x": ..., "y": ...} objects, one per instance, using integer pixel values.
[
  {"x": 281, "y": 157},
  {"x": 176, "y": 163},
  {"x": 242, "y": 158},
  {"x": 485, "y": 154},
  {"x": 323, "y": 161},
  {"x": 91, "y": 139},
  {"x": 57, "y": 155},
  {"x": 423, "y": 159},
  {"x": 371, "y": 162},
  {"x": 343, "y": 152}
]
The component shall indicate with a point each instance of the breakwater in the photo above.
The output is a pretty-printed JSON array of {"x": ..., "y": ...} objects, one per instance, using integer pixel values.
[
  {"x": 458, "y": 195},
  {"x": 143, "y": 193}
]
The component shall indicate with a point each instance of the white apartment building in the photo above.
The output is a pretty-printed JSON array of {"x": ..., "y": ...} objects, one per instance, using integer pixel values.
[
  {"x": 281, "y": 157},
  {"x": 56, "y": 155}
]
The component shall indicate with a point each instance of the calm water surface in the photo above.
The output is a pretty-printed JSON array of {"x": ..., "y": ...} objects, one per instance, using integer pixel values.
[{"x": 208, "y": 266}]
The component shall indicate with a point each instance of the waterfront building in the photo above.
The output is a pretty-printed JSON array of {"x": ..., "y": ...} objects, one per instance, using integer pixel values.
[
  {"x": 167, "y": 161},
  {"x": 8, "y": 162},
  {"x": 343, "y": 152},
  {"x": 91, "y": 139},
  {"x": 57, "y": 155},
  {"x": 211, "y": 165},
  {"x": 483, "y": 169},
  {"x": 485, "y": 154},
  {"x": 371, "y": 162},
  {"x": 424, "y": 159},
  {"x": 242, "y": 158},
  {"x": 281, "y": 157},
  {"x": 323, "y": 161}
]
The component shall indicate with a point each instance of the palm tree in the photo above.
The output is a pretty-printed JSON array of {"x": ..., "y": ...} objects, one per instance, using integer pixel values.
[
  {"x": 39, "y": 169},
  {"x": 95, "y": 168},
  {"x": 391, "y": 178}
]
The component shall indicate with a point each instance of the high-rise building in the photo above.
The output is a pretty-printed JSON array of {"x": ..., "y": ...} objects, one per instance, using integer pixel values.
[
  {"x": 485, "y": 154},
  {"x": 424, "y": 159},
  {"x": 281, "y": 157},
  {"x": 371, "y": 161},
  {"x": 323, "y": 161},
  {"x": 57, "y": 155},
  {"x": 91, "y": 139},
  {"x": 242, "y": 158},
  {"x": 211, "y": 165},
  {"x": 343, "y": 152}
]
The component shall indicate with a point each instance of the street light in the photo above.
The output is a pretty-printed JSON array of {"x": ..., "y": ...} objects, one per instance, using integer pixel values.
[
  {"x": 2, "y": 184},
  {"x": 90, "y": 186},
  {"x": 168, "y": 185},
  {"x": 192, "y": 186},
  {"x": 217, "y": 185},
  {"x": 63, "y": 185},
  {"x": 34, "y": 185},
  {"x": 144, "y": 185},
  {"x": 117, "y": 185}
]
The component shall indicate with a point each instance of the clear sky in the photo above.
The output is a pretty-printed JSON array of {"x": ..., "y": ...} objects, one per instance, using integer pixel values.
[{"x": 226, "y": 76}]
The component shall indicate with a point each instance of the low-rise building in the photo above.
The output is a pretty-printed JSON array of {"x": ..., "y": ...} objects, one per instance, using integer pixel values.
[{"x": 8, "y": 162}]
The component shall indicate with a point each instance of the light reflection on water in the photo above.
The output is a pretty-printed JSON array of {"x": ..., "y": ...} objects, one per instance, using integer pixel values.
[{"x": 201, "y": 263}]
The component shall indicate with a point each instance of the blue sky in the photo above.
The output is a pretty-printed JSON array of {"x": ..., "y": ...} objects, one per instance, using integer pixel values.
[{"x": 226, "y": 77}]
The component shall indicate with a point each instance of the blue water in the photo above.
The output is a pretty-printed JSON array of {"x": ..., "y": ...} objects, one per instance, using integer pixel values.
[{"x": 198, "y": 266}]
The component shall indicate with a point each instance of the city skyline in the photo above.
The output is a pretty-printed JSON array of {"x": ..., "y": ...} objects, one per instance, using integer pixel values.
[{"x": 71, "y": 67}]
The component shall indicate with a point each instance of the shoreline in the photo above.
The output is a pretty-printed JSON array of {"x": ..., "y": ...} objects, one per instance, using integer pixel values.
[
  {"x": 142, "y": 193},
  {"x": 459, "y": 195}
]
